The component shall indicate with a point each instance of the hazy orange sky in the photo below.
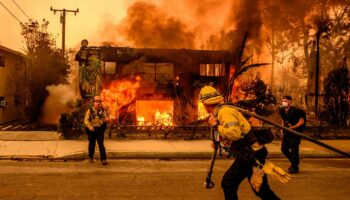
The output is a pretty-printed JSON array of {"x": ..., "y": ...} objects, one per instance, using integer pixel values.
[
  {"x": 85, "y": 24},
  {"x": 95, "y": 15}
]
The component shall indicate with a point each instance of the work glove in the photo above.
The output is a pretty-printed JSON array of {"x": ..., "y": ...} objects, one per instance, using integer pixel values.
[
  {"x": 280, "y": 174},
  {"x": 257, "y": 178}
]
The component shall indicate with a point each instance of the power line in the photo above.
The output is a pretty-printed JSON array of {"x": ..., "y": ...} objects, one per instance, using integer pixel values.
[
  {"x": 20, "y": 9},
  {"x": 11, "y": 13}
]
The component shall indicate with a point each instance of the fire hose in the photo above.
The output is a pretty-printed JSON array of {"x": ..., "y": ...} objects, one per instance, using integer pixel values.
[{"x": 210, "y": 184}]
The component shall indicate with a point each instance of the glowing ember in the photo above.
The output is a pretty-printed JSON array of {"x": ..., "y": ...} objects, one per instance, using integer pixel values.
[
  {"x": 119, "y": 93},
  {"x": 202, "y": 113},
  {"x": 140, "y": 121},
  {"x": 154, "y": 113},
  {"x": 163, "y": 119}
]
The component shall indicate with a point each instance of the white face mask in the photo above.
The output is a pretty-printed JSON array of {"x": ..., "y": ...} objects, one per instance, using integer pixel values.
[{"x": 285, "y": 104}]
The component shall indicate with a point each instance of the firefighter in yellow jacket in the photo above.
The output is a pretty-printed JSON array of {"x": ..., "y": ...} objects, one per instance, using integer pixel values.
[
  {"x": 235, "y": 136},
  {"x": 95, "y": 123}
]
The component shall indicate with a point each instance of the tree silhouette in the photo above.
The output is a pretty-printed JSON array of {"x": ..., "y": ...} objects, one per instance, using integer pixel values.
[
  {"x": 336, "y": 96},
  {"x": 46, "y": 66}
]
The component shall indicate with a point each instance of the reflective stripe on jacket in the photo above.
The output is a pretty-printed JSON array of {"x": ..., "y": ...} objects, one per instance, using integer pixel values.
[{"x": 232, "y": 124}]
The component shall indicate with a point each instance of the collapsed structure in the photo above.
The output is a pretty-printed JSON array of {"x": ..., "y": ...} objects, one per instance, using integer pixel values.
[{"x": 144, "y": 86}]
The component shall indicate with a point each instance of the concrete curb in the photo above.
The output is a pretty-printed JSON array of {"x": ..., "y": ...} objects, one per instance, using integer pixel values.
[
  {"x": 79, "y": 156},
  {"x": 158, "y": 155},
  {"x": 25, "y": 157},
  {"x": 138, "y": 155}
]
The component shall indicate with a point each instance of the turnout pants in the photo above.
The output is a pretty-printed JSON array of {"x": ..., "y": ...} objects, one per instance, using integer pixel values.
[
  {"x": 290, "y": 148},
  {"x": 97, "y": 135},
  {"x": 243, "y": 168}
]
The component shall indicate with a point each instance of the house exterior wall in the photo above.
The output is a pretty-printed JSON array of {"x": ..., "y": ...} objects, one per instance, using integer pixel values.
[{"x": 12, "y": 70}]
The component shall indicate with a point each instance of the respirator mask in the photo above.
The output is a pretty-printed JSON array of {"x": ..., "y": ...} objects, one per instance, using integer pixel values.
[{"x": 284, "y": 104}]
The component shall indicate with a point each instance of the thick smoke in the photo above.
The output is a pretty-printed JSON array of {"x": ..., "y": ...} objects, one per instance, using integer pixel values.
[
  {"x": 61, "y": 98},
  {"x": 167, "y": 24},
  {"x": 215, "y": 24},
  {"x": 207, "y": 24},
  {"x": 246, "y": 17},
  {"x": 148, "y": 26}
]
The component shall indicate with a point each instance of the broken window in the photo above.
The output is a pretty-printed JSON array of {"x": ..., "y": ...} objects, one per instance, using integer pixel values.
[{"x": 217, "y": 69}]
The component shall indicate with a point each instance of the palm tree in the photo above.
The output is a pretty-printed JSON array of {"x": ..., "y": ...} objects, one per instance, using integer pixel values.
[{"x": 241, "y": 67}]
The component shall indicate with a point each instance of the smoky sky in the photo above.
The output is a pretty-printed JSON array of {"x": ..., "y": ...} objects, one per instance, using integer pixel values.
[
  {"x": 152, "y": 25},
  {"x": 148, "y": 26}
]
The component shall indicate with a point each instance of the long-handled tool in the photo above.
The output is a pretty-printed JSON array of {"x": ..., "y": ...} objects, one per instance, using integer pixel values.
[
  {"x": 243, "y": 111},
  {"x": 208, "y": 182}
]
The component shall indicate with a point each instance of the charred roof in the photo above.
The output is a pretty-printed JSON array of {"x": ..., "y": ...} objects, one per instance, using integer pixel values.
[{"x": 126, "y": 55}]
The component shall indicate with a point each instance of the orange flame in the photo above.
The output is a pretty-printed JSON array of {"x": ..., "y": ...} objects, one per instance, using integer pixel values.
[
  {"x": 119, "y": 94},
  {"x": 163, "y": 119},
  {"x": 154, "y": 112},
  {"x": 141, "y": 121}
]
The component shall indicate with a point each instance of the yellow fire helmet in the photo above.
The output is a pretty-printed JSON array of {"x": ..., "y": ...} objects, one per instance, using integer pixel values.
[{"x": 209, "y": 95}]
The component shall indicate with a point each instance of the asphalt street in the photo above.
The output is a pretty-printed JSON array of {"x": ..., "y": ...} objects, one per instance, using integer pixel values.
[{"x": 320, "y": 179}]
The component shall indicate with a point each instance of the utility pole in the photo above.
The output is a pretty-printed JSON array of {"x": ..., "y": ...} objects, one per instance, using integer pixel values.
[
  {"x": 273, "y": 57},
  {"x": 317, "y": 73},
  {"x": 63, "y": 22}
]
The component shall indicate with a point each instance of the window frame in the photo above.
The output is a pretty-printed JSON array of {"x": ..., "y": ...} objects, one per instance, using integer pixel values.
[{"x": 212, "y": 69}]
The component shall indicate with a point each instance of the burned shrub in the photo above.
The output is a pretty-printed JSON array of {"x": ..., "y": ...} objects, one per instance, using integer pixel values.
[{"x": 336, "y": 87}]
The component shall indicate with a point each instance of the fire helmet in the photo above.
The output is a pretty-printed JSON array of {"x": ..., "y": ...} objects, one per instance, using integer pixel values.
[{"x": 209, "y": 95}]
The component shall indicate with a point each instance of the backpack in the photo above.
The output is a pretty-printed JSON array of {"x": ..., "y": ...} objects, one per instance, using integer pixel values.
[{"x": 303, "y": 115}]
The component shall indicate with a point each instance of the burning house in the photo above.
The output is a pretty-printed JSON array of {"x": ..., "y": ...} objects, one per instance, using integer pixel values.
[{"x": 144, "y": 86}]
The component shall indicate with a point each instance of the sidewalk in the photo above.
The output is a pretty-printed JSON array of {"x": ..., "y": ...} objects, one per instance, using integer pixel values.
[{"x": 47, "y": 145}]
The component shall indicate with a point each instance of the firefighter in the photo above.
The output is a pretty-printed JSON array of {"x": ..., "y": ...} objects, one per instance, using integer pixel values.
[
  {"x": 234, "y": 134},
  {"x": 95, "y": 122}
]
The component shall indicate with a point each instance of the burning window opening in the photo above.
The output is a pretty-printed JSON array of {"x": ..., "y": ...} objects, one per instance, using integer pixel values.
[
  {"x": 151, "y": 112},
  {"x": 119, "y": 94}
]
